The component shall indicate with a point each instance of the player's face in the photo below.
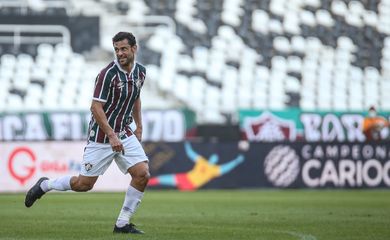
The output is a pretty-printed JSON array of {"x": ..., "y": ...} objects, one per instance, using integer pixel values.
[{"x": 124, "y": 52}]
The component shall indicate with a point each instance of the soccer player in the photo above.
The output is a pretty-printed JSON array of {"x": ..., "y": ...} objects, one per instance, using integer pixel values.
[{"x": 116, "y": 98}]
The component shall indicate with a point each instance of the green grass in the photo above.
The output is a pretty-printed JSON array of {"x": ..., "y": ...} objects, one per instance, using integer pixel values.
[{"x": 171, "y": 215}]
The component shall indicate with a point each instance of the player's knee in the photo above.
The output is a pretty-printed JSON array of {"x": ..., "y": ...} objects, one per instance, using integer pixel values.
[
  {"x": 147, "y": 176},
  {"x": 142, "y": 176}
]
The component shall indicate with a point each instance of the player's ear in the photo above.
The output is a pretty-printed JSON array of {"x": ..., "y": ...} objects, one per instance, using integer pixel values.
[{"x": 134, "y": 48}]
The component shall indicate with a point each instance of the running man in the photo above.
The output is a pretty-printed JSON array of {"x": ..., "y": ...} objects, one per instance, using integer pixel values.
[{"x": 116, "y": 98}]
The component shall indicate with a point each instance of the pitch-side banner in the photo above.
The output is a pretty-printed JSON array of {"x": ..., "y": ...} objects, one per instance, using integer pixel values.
[
  {"x": 23, "y": 163},
  {"x": 191, "y": 166},
  {"x": 297, "y": 125}
]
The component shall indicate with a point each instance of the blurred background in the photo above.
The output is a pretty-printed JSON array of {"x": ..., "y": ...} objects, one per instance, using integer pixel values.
[{"x": 271, "y": 93}]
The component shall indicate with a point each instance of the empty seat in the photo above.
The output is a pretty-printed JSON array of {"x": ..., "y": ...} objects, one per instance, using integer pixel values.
[
  {"x": 355, "y": 104},
  {"x": 228, "y": 101},
  {"x": 354, "y": 20},
  {"x": 307, "y": 104},
  {"x": 292, "y": 84},
  {"x": 340, "y": 104},
  {"x": 339, "y": 7},
  {"x": 212, "y": 116},
  {"x": 324, "y": 18},
  {"x": 294, "y": 64},
  {"x": 201, "y": 55},
  {"x": 307, "y": 18},
  {"x": 8, "y": 61},
  {"x": 63, "y": 51},
  {"x": 356, "y": 7},
  {"x": 370, "y": 18},
  {"x": 371, "y": 74},
  {"x": 14, "y": 103},
  {"x": 298, "y": 44},
  {"x": 345, "y": 43},
  {"x": 45, "y": 50},
  {"x": 260, "y": 99},
  {"x": 282, "y": 44},
  {"x": 324, "y": 102},
  {"x": 279, "y": 64},
  {"x": 197, "y": 88},
  {"x": 260, "y": 20},
  {"x": 275, "y": 26},
  {"x": 277, "y": 7},
  {"x": 230, "y": 17},
  {"x": 182, "y": 90},
  {"x": 313, "y": 45},
  {"x": 291, "y": 23},
  {"x": 185, "y": 63}
]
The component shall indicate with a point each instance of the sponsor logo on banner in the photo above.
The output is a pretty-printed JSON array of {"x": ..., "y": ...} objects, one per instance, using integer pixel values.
[
  {"x": 269, "y": 128},
  {"x": 344, "y": 165},
  {"x": 328, "y": 165},
  {"x": 24, "y": 162},
  {"x": 281, "y": 166},
  {"x": 330, "y": 127},
  {"x": 25, "y": 159}
]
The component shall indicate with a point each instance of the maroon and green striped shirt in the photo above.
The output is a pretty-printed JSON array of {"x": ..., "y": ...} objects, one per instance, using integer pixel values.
[{"x": 118, "y": 90}]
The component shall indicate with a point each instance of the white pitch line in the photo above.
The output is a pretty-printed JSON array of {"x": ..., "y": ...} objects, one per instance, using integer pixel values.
[{"x": 301, "y": 236}]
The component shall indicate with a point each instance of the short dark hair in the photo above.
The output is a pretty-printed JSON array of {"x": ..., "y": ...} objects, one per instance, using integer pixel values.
[{"x": 125, "y": 35}]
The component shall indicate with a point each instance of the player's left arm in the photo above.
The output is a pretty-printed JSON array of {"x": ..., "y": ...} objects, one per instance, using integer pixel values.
[{"x": 137, "y": 116}]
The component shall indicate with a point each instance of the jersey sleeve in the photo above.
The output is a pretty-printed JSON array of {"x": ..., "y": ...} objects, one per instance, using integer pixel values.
[
  {"x": 142, "y": 76},
  {"x": 102, "y": 86}
]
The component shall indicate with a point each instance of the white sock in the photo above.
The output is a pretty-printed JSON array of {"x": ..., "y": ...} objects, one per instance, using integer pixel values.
[
  {"x": 44, "y": 186},
  {"x": 60, "y": 184},
  {"x": 132, "y": 200}
]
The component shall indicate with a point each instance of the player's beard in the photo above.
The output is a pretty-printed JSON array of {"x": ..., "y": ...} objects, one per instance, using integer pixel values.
[{"x": 126, "y": 62}]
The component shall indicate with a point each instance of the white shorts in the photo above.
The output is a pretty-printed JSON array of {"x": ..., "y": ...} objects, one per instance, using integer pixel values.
[{"x": 98, "y": 156}]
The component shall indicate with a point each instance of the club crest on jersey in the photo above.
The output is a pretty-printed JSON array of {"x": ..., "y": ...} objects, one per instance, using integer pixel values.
[
  {"x": 138, "y": 82},
  {"x": 121, "y": 85},
  {"x": 92, "y": 133},
  {"x": 88, "y": 166}
]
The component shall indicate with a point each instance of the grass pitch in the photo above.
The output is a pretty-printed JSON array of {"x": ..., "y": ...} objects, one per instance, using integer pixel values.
[{"x": 171, "y": 215}]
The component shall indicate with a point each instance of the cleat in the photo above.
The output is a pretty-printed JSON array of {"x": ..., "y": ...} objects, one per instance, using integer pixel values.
[
  {"x": 34, "y": 193},
  {"x": 128, "y": 228}
]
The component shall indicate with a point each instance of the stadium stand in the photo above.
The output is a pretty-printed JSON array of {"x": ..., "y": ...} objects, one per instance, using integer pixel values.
[{"x": 216, "y": 57}]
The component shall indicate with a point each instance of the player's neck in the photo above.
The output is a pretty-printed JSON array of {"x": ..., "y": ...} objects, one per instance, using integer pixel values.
[{"x": 129, "y": 67}]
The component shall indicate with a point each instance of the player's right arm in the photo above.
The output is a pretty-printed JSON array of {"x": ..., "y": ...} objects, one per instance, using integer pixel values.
[
  {"x": 100, "y": 96},
  {"x": 101, "y": 119}
]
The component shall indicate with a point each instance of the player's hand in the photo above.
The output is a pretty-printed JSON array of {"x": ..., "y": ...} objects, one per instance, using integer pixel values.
[
  {"x": 138, "y": 134},
  {"x": 116, "y": 144}
]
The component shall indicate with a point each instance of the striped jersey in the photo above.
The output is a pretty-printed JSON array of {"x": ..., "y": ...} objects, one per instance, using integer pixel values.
[{"x": 118, "y": 90}]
